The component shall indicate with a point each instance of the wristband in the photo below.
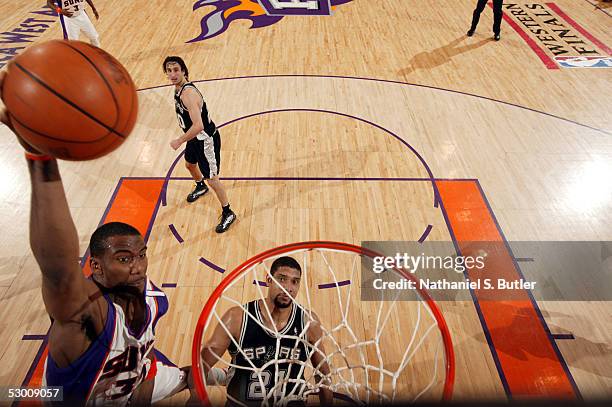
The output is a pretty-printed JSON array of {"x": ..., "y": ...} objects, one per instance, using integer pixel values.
[{"x": 37, "y": 157}]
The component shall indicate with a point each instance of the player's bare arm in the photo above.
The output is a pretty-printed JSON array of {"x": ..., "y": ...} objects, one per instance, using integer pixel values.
[
  {"x": 193, "y": 102},
  {"x": 214, "y": 349},
  {"x": 318, "y": 360},
  {"x": 93, "y": 8},
  {"x": 72, "y": 301}
]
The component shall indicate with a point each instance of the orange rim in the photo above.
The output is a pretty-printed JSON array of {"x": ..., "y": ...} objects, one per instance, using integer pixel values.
[{"x": 212, "y": 300}]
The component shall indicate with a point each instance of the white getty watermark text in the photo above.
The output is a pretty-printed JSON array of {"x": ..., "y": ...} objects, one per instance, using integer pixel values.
[{"x": 414, "y": 264}]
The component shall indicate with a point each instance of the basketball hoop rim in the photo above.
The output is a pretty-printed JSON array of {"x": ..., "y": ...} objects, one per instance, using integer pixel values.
[{"x": 216, "y": 294}]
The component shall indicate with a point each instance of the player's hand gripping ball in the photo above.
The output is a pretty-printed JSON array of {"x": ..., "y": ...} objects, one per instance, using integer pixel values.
[{"x": 70, "y": 99}]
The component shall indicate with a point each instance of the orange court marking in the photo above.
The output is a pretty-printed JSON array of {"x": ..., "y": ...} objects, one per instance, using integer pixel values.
[{"x": 529, "y": 363}]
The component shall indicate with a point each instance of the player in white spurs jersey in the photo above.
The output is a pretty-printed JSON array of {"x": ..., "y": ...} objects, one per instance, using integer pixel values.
[
  {"x": 75, "y": 19},
  {"x": 101, "y": 341}
]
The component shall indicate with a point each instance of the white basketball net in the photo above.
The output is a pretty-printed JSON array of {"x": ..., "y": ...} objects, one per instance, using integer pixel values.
[{"x": 377, "y": 351}]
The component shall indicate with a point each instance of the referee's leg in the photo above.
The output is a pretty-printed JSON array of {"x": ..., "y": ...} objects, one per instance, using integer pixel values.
[
  {"x": 497, "y": 16},
  {"x": 476, "y": 15}
]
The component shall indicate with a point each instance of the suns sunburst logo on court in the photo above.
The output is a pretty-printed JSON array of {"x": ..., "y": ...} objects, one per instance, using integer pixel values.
[{"x": 261, "y": 13}]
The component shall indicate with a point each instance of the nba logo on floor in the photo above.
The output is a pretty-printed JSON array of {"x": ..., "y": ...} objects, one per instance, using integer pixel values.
[
  {"x": 296, "y": 7},
  {"x": 584, "y": 62}
]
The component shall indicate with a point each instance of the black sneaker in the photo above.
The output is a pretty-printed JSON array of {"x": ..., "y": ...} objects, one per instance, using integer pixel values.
[
  {"x": 226, "y": 220},
  {"x": 199, "y": 190},
  {"x": 470, "y": 33}
]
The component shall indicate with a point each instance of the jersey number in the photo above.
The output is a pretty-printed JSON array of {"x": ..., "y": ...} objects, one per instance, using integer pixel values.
[
  {"x": 255, "y": 392},
  {"x": 125, "y": 362}
]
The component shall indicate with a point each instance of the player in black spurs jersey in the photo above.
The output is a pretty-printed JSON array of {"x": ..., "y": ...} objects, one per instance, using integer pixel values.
[
  {"x": 288, "y": 338},
  {"x": 203, "y": 149}
]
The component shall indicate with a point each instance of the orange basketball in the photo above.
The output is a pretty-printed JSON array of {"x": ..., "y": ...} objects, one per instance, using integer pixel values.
[{"x": 70, "y": 99}]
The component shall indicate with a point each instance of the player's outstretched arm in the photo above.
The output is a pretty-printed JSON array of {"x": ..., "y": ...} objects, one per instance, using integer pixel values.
[
  {"x": 54, "y": 239},
  {"x": 319, "y": 361}
]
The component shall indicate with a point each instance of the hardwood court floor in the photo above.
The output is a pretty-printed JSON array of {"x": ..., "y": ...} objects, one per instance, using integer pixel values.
[{"x": 335, "y": 128}]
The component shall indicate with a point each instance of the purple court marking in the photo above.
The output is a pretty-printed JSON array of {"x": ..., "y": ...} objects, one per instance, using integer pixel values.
[
  {"x": 39, "y": 354},
  {"x": 530, "y": 294},
  {"x": 423, "y": 179},
  {"x": 153, "y": 215},
  {"x": 323, "y": 179},
  {"x": 212, "y": 265},
  {"x": 425, "y": 233},
  {"x": 63, "y": 24},
  {"x": 33, "y": 337},
  {"x": 261, "y": 283},
  {"x": 169, "y": 285},
  {"x": 523, "y": 259},
  {"x": 175, "y": 233},
  {"x": 332, "y": 285},
  {"x": 397, "y": 83},
  {"x": 401, "y": 140},
  {"x": 167, "y": 177},
  {"x": 563, "y": 336}
]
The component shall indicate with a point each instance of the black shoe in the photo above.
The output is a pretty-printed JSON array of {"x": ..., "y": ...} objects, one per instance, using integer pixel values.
[
  {"x": 227, "y": 218},
  {"x": 199, "y": 190},
  {"x": 470, "y": 33},
  {"x": 497, "y": 37}
]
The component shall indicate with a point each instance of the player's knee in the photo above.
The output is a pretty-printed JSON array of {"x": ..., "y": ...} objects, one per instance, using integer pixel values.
[
  {"x": 189, "y": 165},
  {"x": 214, "y": 182}
]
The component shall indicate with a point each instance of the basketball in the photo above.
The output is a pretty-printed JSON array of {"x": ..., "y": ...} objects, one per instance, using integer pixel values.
[{"x": 70, "y": 99}]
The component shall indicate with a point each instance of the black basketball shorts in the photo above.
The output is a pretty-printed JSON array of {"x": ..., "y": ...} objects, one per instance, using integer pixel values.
[{"x": 206, "y": 153}]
